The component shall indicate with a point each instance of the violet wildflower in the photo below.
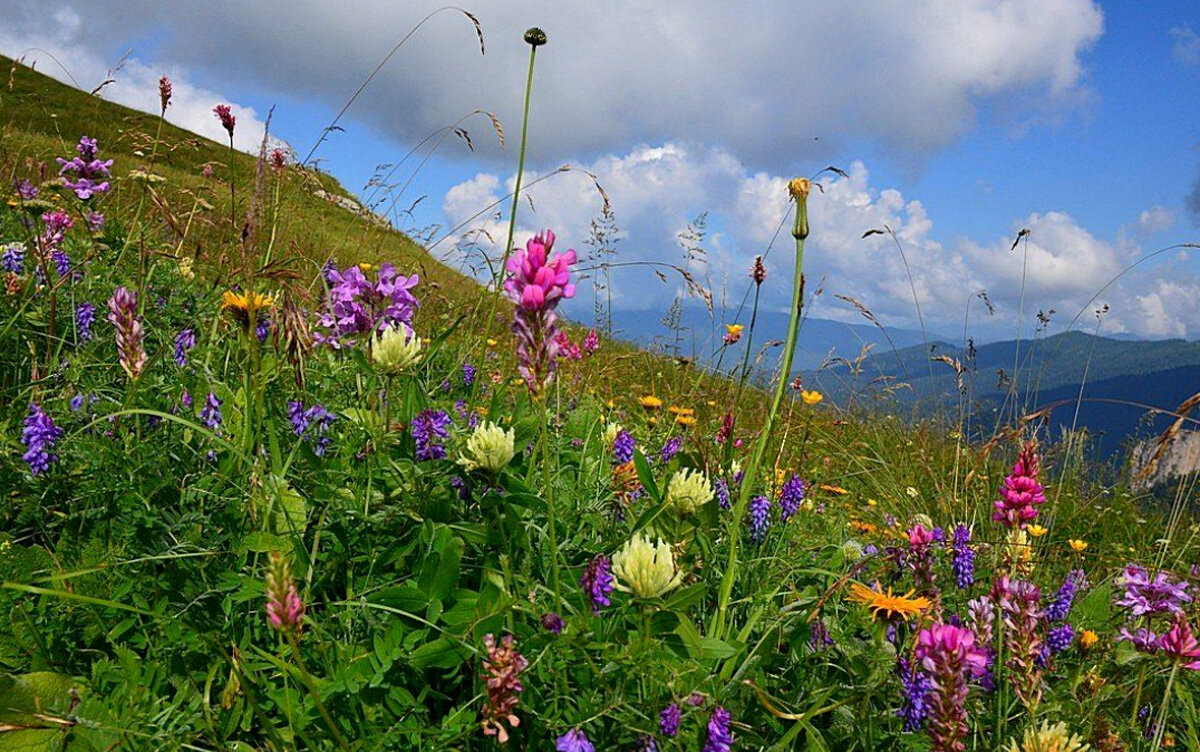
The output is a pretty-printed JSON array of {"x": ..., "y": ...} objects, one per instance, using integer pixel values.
[
  {"x": 502, "y": 676},
  {"x": 26, "y": 190},
  {"x": 85, "y": 316},
  {"x": 184, "y": 341},
  {"x": 1060, "y": 607},
  {"x": 262, "y": 327},
  {"x": 721, "y": 490},
  {"x": 916, "y": 685},
  {"x": 1143, "y": 639},
  {"x": 185, "y": 399},
  {"x": 981, "y": 615},
  {"x": 468, "y": 375},
  {"x": 670, "y": 449},
  {"x": 94, "y": 220},
  {"x": 645, "y": 743},
  {"x": 623, "y": 446},
  {"x": 358, "y": 306},
  {"x": 760, "y": 518},
  {"x": 426, "y": 429},
  {"x": 552, "y": 623},
  {"x": 284, "y": 607},
  {"x": 720, "y": 735},
  {"x": 76, "y": 403},
  {"x": 574, "y": 741},
  {"x": 951, "y": 657},
  {"x": 963, "y": 558},
  {"x": 210, "y": 413},
  {"x": 668, "y": 720},
  {"x": 1021, "y": 612},
  {"x": 791, "y": 496},
  {"x": 1057, "y": 640},
  {"x": 62, "y": 262},
  {"x": 597, "y": 582},
  {"x": 87, "y": 169},
  {"x": 1146, "y": 595},
  {"x": 819, "y": 638},
  {"x": 537, "y": 282},
  {"x": 55, "y": 225},
  {"x": 39, "y": 435},
  {"x": 227, "y": 118},
  {"x": 1021, "y": 494},
  {"x": 12, "y": 258},
  {"x": 122, "y": 313}
]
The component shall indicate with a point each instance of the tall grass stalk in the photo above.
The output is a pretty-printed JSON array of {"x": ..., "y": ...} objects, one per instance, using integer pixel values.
[{"x": 798, "y": 188}]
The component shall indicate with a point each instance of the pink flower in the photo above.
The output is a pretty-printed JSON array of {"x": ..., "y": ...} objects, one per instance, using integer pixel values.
[
  {"x": 284, "y": 607},
  {"x": 1180, "y": 644},
  {"x": 942, "y": 643},
  {"x": 164, "y": 93},
  {"x": 502, "y": 675},
  {"x": 539, "y": 280},
  {"x": 226, "y": 116},
  {"x": 1021, "y": 494},
  {"x": 591, "y": 343}
]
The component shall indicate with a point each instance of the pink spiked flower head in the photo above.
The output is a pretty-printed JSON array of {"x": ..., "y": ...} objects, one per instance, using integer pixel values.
[
  {"x": 284, "y": 607},
  {"x": 164, "y": 93},
  {"x": 952, "y": 658},
  {"x": 122, "y": 314},
  {"x": 502, "y": 676},
  {"x": 1021, "y": 494},
  {"x": 1180, "y": 644},
  {"x": 226, "y": 116},
  {"x": 537, "y": 283}
]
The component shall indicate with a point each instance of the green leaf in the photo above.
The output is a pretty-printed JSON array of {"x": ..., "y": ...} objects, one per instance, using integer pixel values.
[
  {"x": 684, "y": 599},
  {"x": 403, "y": 597},
  {"x": 715, "y": 649},
  {"x": 448, "y": 569},
  {"x": 33, "y": 740},
  {"x": 260, "y": 542},
  {"x": 646, "y": 477},
  {"x": 441, "y": 653}
]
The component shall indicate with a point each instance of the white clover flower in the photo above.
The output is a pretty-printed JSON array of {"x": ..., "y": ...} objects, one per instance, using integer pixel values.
[
  {"x": 645, "y": 570},
  {"x": 394, "y": 351},
  {"x": 490, "y": 448},
  {"x": 687, "y": 490}
]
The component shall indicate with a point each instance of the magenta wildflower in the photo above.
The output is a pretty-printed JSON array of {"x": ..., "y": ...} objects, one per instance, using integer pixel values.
[
  {"x": 1021, "y": 494},
  {"x": 1147, "y": 596},
  {"x": 950, "y": 656},
  {"x": 1021, "y": 612},
  {"x": 227, "y": 118},
  {"x": 1143, "y": 639},
  {"x": 95, "y": 221},
  {"x": 567, "y": 349},
  {"x": 597, "y": 582},
  {"x": 1179, "y": 644},
  {"x": 720, "y": 735},
  {"x": 537, "y": 282},
  {"x": 39, "y": 435},
  {"x": 591, "y": 343},
  {"x": 552, "y": 623},
  {"x": 502, "y": 675},
  {"x": 122, "y": 313},
  {"x": 284, "y": 607}
]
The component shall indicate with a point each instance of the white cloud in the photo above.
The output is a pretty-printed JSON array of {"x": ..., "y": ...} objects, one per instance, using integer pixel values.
[
  {"x": 1186, "y": 47},
  {"x": 761, "y": 79}
]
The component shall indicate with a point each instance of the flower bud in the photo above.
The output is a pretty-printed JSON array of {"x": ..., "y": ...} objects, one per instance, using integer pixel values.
[{"x": 535, "y": 37}]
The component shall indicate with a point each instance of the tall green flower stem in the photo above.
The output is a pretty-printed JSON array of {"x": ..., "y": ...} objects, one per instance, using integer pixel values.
[
  {"x": 798, "y": 189},
  {"x": 548, "y": 478},
  {"x": 535, "y": 38}
]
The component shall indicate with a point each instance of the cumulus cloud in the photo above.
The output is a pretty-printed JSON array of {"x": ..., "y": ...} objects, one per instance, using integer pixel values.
[
  {"x": 761, "y": 79},
  {"x": 60, "y": 49}
]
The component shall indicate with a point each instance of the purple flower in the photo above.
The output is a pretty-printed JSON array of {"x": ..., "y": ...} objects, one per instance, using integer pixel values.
[
  {"x": 56, "y": 224},
  {"x": 646, "y": 743},
  {"x": 358, "y": 306},
  {"x": 552, "y": 623},
  {"x": 791, "y": 496},
  {"x": 537, "y": 282},
  {"x": 310, "y": 423},
  {"x": 917, "y": 685},
  {"x": 1060, "y": 607},
  {"x": 77, "y": 403},
  {"x": 95, "y": 221},
  {"x": 819, "y": 639},
  {"x": 62, "y": 262},
  {"x": 1149, "y": 596},
  {"x": 262, "y": 327},
  {"x": 184, "y": 341},
  {"x": 591, "y": 342},
  {"x": 574, "y": 741},
  {"x": 623, "y": 446},
  {"x": 227, "y": 118},
  {"x": 668, "y": 720},
  {"x": 185, "y": 399},
  {"x": 720, "y": 736},
  {"x": 12, "y": 258},
  {"x": 122, "y": 313},
  {"x": 426, "y": 428},
  {"x": 1057, "y": 640},
  {"x": 26, "y": 190},
  {"x": 950, "y": 655},
  {"x": 721, "y": 488},
  {"x": 760, "y": 518},
  {"x": 1142, "y": 639},
  {"x": 87, "y": 169},
  {"x": 1021, "y": 494},
  {"x": 670, "y": 449},
  {"x": 468, "y": 375},
  {"x": 963, "y": 558},
  {"x": 85, "y": 316},
  {"x": 39, "y": 436},
  {"x": 597, "y": 582},
  {"x": 210, "y": 413}
]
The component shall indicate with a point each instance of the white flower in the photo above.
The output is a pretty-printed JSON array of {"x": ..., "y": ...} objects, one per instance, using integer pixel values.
[
  {"x": 490, "y": 448},
  {"x": 610, "y": 433},
  {"x": 394, "y": 351},
  {"x": 646, "y": 571},
  {"x": 687, "y": 490}
]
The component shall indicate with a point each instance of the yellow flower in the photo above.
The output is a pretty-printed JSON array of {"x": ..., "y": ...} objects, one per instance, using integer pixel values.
[
  {"x": 365, "y": 267},
  {"x": 687, "y": 490},
  {"x": 833, "y": 489},
  {"x": 733, "y": 332},
  {"x": 872, "y": 502},
  {"x": 491, "y": 342},
  {"x": 645, "y": 570},
  {"x": 686, "y": 420},
  {"x": 394, "y": 351},
  {"x": 862, "y": 527},
  {"x": 1048, "y": 738},
  {"x": 1037, "y": 531},
  {"x": 650, "y": 402},
  {"x": 490, "y": 448},
  {"x": 1088, "y": 639},
  {"x": 242, "y": 304},
  {"x": 677, "y": 410},
  {"x": 1078, "y": 545},
  {"x": 811, "y": 397},
  {"x": 611, "y": 429},
  {"x": 891, "y": 605}
]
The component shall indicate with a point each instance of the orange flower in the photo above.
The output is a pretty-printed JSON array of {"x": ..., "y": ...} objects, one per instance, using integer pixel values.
[
  {"x": 833, "y": 489},
  {"x": 650, "y": 402},
  {"x": 1078, "y": 546},
  {"x": 811, "y": 397},
  {"x": 887, "y": 603},
  {"x": 1088, "y": 639}
]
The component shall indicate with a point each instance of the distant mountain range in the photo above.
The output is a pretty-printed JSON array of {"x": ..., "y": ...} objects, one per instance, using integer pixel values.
[{"x": 1122, "y": 381}]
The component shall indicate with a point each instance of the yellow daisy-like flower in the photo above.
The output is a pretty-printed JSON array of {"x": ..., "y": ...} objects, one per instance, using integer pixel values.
[
  {"x": 365, "y": 266},
  {"x": 733, "y": 332},
  {"x": 1078, "y": 546},
  {"x": 1088, "y": 639},
  {"x": 887, "y": 603},
  {"x": 650, "y": 402},
  {"x": 1037, "y": 531},
  {"x": 811, "y": 397},
  {"x": 872, "y": 503},
  {"x": 242, "y": 304},
  {"x": 866, "y": 528},
  {"x": 677, "y": 410},
  {"x": 686, "y": 420}
]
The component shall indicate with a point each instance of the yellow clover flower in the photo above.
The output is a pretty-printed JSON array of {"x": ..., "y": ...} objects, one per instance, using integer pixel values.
[
  {"x": 687, "y": 490},
  {"x": 647, "y": 571},
  {"x": 490, "y": 448},
  {"x": 394, "y": 351}
]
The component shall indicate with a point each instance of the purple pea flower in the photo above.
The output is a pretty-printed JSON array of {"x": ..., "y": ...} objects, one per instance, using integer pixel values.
[
  {"x": 670, "y": 449},
  {"x": 791, "y": 496},
  {"x": 917, "y": 685},
  {"x": 184, "y": 341},
  {"x": 87, "y": 170},
  {"x": 1146, "y": 595},
  {"x": 623, "y": 446},
  {"x": 720, "y": 735},
  {"x": 425, "y": 429},
  {"x": 12, "y": 258},
  {"x": 597, "y": 582},
  {"x": 760, "y": 518},
  {"x": 210, "y": 413},
  {"x": 963, "y": 557},
  {"x": 85, "y": 316},
  {"x": 1060, "y": 606},
  {"x": 574, "y": 741},
  {"x": 468, "y": 375},
  {"x": 39, "y": 436},
  {"x": 668, "y": 720},
  {"x": 552, "y": 623}
]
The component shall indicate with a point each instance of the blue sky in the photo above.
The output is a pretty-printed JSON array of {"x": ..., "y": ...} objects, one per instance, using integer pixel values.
[{"x": 960, "y": 123}]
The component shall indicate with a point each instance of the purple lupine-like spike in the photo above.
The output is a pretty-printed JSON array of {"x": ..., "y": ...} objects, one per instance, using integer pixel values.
[
  {"x": 184, "y": 341},
  {"x": 85, "y": 316},
  {"x": 426, "y": 428},
  {"x": 720, "y": 733},
  {"x": 597, "y": 582},
  {"x": 668, "y": 720},
  {"x": 759, "y": 518},
  {"x": 791, "y": 496},
  {"x": 670, "y": 449},
  {"x": 623, "y": 447},
  {"x": 963, "y": 557},
  {"x": 574, "y": 741},
  {"x": 39, "y": 435}
]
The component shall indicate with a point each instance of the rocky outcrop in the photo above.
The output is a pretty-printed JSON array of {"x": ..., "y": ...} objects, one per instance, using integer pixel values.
[{"x": 1180, "y": 457}]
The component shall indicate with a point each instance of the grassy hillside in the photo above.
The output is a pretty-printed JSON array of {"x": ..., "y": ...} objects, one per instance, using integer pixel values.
[{"x": 344, "y": 517}]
